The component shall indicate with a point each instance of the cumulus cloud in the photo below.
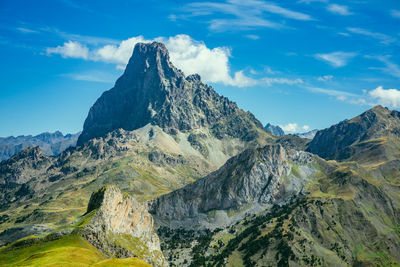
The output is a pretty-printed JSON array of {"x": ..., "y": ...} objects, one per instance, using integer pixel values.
[
  {"x": 70, "y": 49},
  {"x": 294, "y": 128},
  {"x": 339, "y": 9},
  {"x": 386, "y": 97},
  {"x": 336, "y": 59},
  {"x": 187, "y": 54}
]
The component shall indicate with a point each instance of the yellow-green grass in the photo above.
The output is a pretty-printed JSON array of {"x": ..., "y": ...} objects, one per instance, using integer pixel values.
[
  {"x": 70, "y": 250},
  {"x": 122, "y": 262}
]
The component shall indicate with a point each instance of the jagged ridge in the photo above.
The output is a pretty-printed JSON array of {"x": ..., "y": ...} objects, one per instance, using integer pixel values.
[{"x": 152, "y": 90}]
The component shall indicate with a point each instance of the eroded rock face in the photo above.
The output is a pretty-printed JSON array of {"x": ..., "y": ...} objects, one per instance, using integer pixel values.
[
  {"x": 120, "y": 226},
  {"x": 268, "y": 175},
  {"x": 152, "y": 90}
]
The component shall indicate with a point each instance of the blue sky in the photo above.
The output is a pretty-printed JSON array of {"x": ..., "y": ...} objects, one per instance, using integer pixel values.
[{"x": 301, "y": 64}]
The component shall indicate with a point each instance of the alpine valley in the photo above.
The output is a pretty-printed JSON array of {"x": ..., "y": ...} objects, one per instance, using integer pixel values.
[{"x": 167, "y": 172}]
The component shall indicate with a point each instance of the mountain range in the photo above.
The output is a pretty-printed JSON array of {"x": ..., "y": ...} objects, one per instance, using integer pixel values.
[
  {"x": 167, "y": 172},
  {"x": 52, "y": 144}
]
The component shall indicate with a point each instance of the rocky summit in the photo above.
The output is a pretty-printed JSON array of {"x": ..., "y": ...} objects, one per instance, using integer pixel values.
[{"x": 152, "y": 90}]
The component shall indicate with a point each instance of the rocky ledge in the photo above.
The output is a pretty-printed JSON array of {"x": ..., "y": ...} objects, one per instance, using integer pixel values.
[{"x": 119, "y": 226}]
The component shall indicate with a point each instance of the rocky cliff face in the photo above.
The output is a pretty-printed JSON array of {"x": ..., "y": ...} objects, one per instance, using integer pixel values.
[
  {"x": 275, "y": 130},
  {"x": 52, "y": 144},
  {"x": 256, "y": 177},
  {"x": 16, "y": 172},
  {"x": 337, "y": 141},
  {"x": 344, "y": 204},
  {"x": 120, "y": 226},
  {"x": 152, "y": 90}
]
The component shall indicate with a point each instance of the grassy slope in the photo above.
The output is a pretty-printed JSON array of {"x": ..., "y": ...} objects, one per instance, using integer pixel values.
[{"x": 70, "y": 250}]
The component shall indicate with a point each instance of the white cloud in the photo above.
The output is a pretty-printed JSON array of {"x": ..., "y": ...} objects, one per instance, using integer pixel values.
[
  {"x": 91, "y": 76},
  {"x": 252, "y": 36},
  {"x": 118, "y": 54},
  {"x": 193, "y": 56},
  {"x": 93, "y": 40},
  {"x": 241, "y": 80},
  {"x": 25, "y": 30},
  {"x": 339, "y": 94},
  {"x": 383, "y": 38},
  {"x": 275, "y": 9},
  {"x": 386, "y": 97},
  {"x": 243, "y": 15},
  {"x": 351, "y": 98},
  {"x": 269, "y": 81},
  {"x": 269, "y": 70},
  {"x": 325, "y": 78},
  {"x": 290, "y": 127},
  {"x": 344, "y": 34},
  {"x": 294, "y": 128},
  {"x": 187, "y": 54},
  {"x": 395, "y": 13},
  {"x": 312, "y": 1},
  {"x": 339, "y": 9},
  {"x": 336, "y": 59},
  {"x": 70, "y": 49}
]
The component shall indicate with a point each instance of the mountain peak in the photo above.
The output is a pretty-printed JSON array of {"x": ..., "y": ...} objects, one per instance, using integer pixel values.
[
  {"x": 152, "y": 90},
  {"x": 336, "y": 141}
]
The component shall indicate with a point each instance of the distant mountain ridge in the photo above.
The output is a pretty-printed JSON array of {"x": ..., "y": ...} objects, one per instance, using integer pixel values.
[
  {"x": 275, "y": 130},
  {"x": 341, "y": 141},
  {"x": 51, "y": 144}
]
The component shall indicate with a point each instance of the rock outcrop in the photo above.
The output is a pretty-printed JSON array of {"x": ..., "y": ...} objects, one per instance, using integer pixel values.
[
  {"x": 120, "y": 226},
  {"x": 256, "y": 177},
  {"x": 152, "y": 90}
]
